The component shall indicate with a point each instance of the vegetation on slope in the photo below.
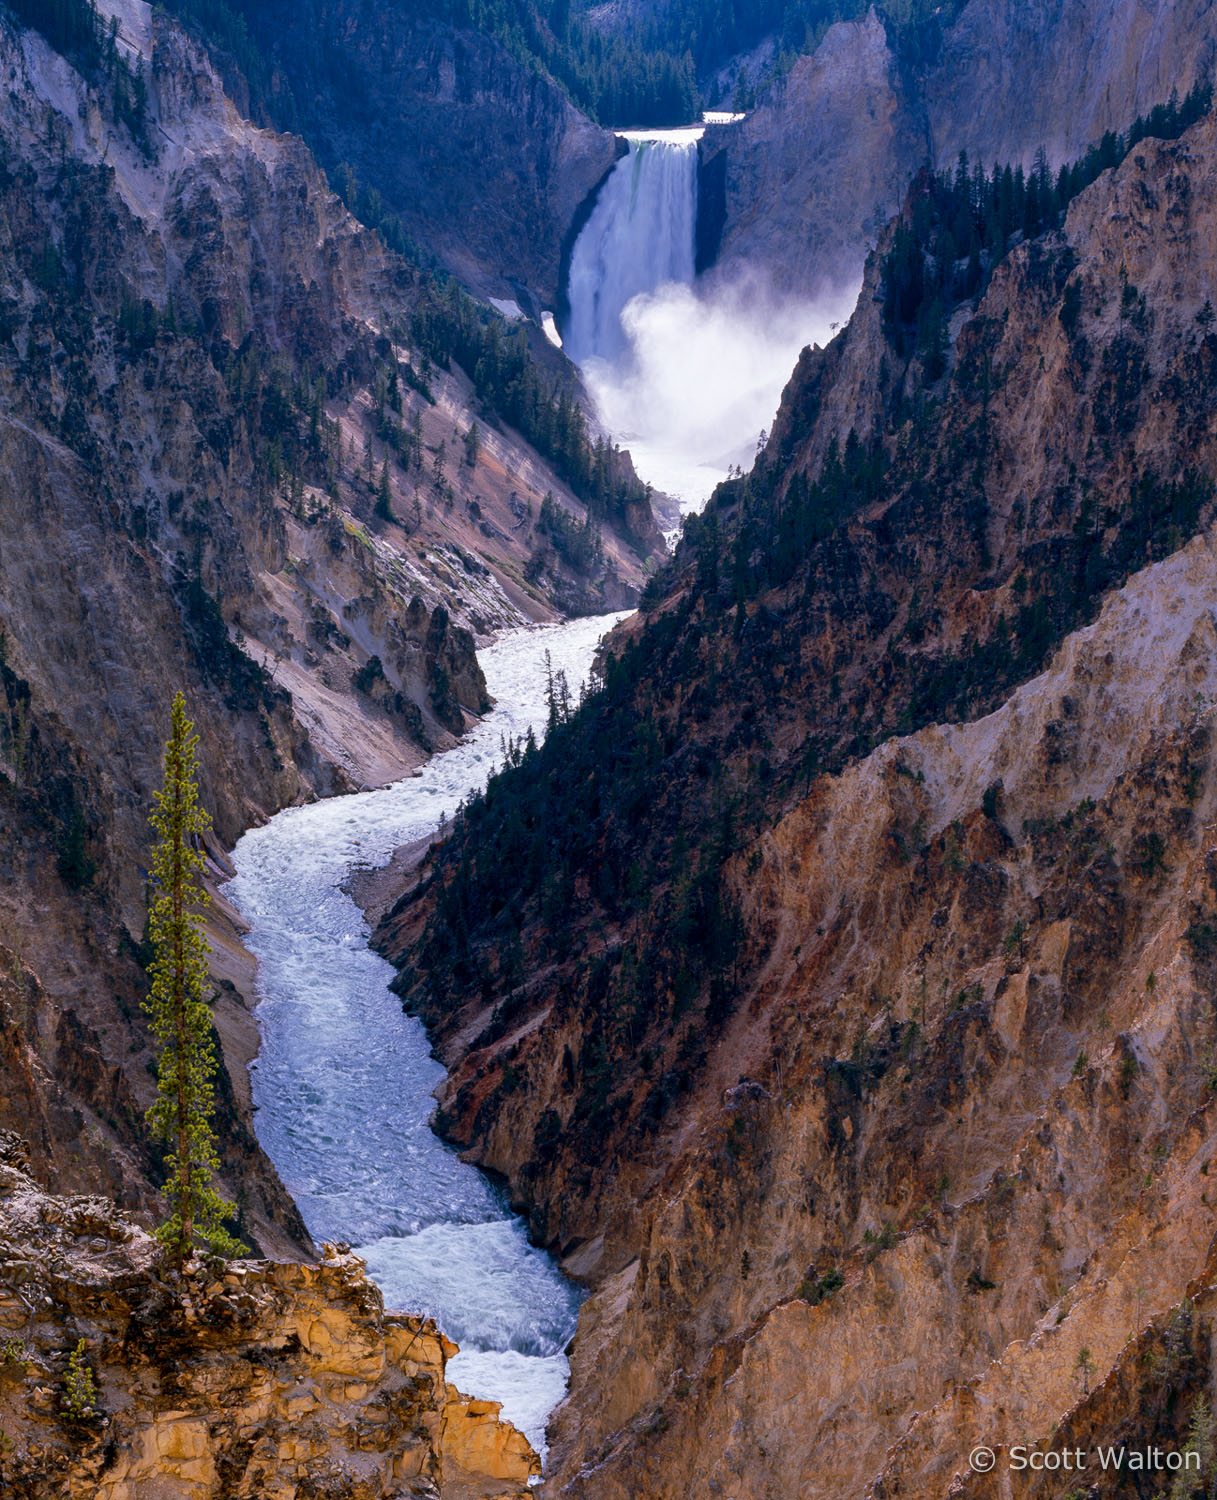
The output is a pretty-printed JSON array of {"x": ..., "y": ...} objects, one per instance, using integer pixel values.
[
  {"x": 650, "y": 68},
  {"x": 961, "y": 224},
  {"x": 446, "y": 325},
  {"x": 800, "y": 624},
  {"x": 449, "y": 327},
  {"x": 75, "y": 28}
]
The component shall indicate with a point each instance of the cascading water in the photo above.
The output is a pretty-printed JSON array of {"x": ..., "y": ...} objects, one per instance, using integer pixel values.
[
  {"x": 343, "y": 1079},
  {"x": 684, "y": 375},
  {"x": 640, "y": 237}
]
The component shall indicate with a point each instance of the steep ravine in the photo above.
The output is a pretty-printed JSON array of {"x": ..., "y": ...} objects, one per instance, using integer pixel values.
[
  {"x": 484, "y": 159},
  {"x": 208, "y": 390},
  {"x": 344, "y": 1081}
]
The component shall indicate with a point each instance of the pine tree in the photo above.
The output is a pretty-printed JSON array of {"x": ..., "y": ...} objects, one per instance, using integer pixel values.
[
  {"x": 384, "y": 494},
  {"x": 181, "y": 1018}
]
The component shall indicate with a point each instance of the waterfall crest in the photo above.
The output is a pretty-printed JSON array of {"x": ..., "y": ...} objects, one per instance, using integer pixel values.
[{"x": 639, "y": 237}]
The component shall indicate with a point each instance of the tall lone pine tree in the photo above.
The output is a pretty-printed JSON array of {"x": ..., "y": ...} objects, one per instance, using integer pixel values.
[{"x": 181, "y": 1018}]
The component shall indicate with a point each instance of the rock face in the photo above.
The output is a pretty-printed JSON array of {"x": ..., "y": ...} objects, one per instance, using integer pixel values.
[
  {"x": 238, "y": 1379},
  {"x": 979, "y": 1099},
  {"x": 1014, "y": 77},
  {"x": 860, "y": 1062},
  {"x": 814, "y": 172},
  {"x": 485, "y": 160},
  {"x": 825, "y": 158}
]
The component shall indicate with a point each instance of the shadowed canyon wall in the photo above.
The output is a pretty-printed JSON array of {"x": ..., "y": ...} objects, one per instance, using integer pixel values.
[
  {"x": 825, "y": 158},
  {"x": 226, "y": 466}
]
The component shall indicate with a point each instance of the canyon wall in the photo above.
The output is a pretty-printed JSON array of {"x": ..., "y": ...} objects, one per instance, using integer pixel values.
[
  {"x": 824, "y": 160},
  {"x": 227, "y": 466},
  {"x": 485, "y": 159},
  {"x": 847, "y": 1021}
]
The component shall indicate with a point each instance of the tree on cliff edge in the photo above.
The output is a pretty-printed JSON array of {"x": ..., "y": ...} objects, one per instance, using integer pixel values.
[{"x": 181, "y": 1018}]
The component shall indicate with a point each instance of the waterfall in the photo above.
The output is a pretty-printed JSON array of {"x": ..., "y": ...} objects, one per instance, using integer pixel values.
[
  {"x": 640, "y": 236},
  {"x": 688, "y": 386}
]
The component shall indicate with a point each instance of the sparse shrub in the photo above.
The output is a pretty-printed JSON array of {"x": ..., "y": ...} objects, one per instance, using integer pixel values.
[
  {"x": 1201, "y": 936},
  {"x": 879, "y": 1240},
  {"x": 369, "y": 675},
  {"x": 79, "y": 1386},
  {"x": 1149, "y": 855},
  {"x": 815, "y": 1289}
]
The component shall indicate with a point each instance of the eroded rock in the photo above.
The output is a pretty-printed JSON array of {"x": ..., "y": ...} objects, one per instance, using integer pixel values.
[{"x": 235, "y": 1379}]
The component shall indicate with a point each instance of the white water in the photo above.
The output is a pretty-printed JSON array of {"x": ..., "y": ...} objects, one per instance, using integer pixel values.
[
  {"x": 639, "y": 237},
  {"x": 343, "y": 1080},
  {"x": 684, "y": 375}
]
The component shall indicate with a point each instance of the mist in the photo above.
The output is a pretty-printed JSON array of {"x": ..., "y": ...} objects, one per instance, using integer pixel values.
[{"x": 702, "y": 377}]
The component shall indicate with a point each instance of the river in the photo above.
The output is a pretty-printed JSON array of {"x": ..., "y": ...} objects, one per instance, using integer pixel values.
[{"x": 343, "y": 1080}]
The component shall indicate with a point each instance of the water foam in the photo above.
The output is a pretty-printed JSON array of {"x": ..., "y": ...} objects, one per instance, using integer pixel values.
[
  {"x": 343, "y": 1080},
  {"x": 685, "y": 374}
]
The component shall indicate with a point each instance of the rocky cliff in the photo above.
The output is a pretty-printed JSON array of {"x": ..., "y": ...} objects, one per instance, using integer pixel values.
[
  {"x": 824, "y": 159},
  {"x": 120, "y": 1380},
  {"x": 976, "y": 1121},
  {"x": 226, "y": 466},
  {"x": 484, "y": 159},
  {"x": 846, "y": 1021}
]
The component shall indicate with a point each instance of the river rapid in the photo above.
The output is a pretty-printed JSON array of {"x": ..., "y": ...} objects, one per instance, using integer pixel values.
[{"x": 343, "y": 1081}]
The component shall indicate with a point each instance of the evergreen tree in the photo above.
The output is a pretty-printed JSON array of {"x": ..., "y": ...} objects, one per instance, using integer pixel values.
[
  {"x": 384, "y": 494},
  {"x": 181, "y": 1018}
]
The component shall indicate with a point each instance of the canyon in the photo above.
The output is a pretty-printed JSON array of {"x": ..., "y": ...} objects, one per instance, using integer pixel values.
[
  {"x": 189, "y": 498},
  {"x": 829, "y": 983}
]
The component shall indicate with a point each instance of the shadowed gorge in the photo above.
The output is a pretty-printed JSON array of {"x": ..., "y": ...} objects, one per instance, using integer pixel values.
[{"x": 682, "y": 961}]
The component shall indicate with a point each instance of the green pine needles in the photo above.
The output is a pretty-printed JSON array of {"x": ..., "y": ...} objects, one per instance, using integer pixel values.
[{"x": 181, "y": 1017}]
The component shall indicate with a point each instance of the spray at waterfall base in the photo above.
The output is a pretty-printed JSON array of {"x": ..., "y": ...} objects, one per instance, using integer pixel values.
[{"x": 687, "y": 374}]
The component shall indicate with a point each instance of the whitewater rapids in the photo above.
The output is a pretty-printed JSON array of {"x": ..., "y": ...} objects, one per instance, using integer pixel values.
[{"x": 343, "y": 1081}]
